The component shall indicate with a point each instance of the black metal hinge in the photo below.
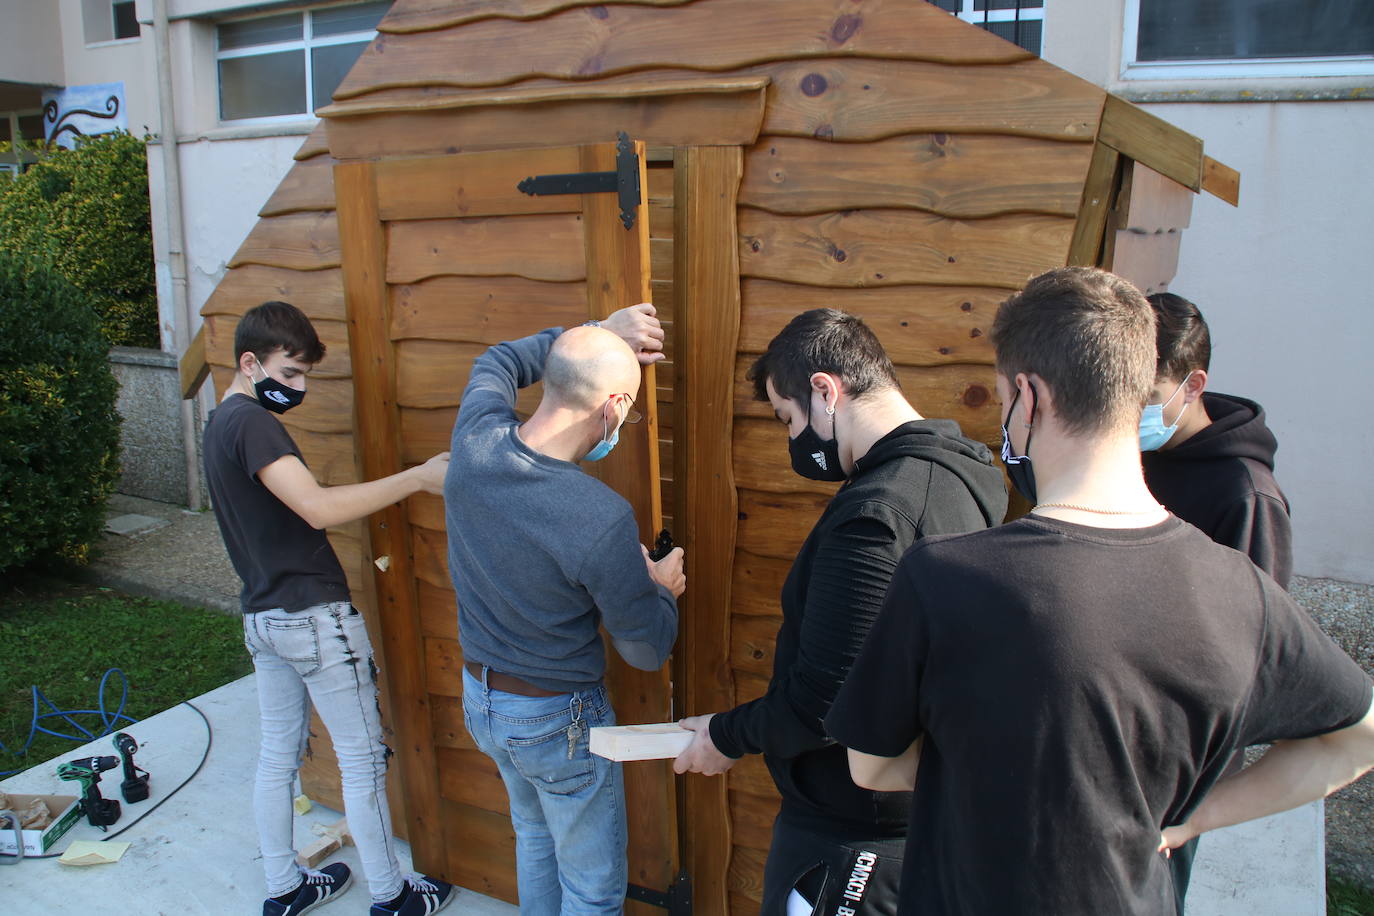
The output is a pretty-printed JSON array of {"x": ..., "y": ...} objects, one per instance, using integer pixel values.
[
  {"x": 677, "y": 900},
  {"x": 623, "y": 181}
]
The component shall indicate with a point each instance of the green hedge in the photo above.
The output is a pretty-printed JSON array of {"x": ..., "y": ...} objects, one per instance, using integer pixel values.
[
  {"x": 86, "y": 210},
  {"x": 59, "y": 432}
]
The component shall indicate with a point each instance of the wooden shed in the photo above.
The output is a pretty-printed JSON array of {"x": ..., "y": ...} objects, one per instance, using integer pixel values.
[{"x": 879, "y": 156}]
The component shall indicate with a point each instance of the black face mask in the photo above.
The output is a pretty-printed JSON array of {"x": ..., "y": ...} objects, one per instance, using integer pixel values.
[
  {"x": 1019, "y": 467},
  {"x": 275, "y": 396},
  {"x": 813, "y": 457}
]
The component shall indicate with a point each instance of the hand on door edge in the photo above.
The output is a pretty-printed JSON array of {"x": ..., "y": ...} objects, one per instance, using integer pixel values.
[{"x": 639, "y": 327}]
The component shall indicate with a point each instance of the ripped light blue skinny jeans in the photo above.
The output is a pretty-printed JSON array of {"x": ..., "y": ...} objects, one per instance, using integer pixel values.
[{"x": 320, "y": 655}]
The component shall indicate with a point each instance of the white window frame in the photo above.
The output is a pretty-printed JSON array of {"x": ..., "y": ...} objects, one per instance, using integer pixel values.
[
  {"x": 105, "y": 10},
  {"x": 304, "y": 44},
  {"x": 1231, "y": 68},
  {"x": 978, "y": 17}
]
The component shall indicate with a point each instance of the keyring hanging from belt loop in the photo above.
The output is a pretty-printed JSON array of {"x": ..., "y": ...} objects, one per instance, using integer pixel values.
[{"x": 575, "y": 705}]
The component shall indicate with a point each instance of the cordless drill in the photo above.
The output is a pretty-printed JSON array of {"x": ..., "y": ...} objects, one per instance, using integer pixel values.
[
  {"x": 100, "y": 812},
  {"x": 135, "y": 784}
]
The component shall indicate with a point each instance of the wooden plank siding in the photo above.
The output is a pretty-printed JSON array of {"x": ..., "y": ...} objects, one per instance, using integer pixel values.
[
  {"x": 428, "y": 15},
  {"x": 378, "y": 425},
  {"x": 707, "y": 317},
  {"x": 607, "y": 40},
  {"x": 952, "y": 175}
]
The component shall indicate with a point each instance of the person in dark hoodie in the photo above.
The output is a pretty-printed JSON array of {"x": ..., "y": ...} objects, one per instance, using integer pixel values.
[
  {"x": 832, "y": 385},
  {"x": 1209, "y": 458}
]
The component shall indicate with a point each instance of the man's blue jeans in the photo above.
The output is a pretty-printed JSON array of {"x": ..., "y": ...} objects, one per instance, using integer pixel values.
[{"x": 567, "y": 806}]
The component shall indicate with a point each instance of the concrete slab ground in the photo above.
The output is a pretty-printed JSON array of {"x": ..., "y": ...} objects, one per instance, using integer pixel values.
[{"x": 197, "y": 854}]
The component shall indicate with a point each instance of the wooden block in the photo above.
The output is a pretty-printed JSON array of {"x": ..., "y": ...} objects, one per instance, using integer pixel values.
[
  {"x": 337, "y": 830},
  {"x": 318, "y": 851},
  {"x": 640, "y": 742}
]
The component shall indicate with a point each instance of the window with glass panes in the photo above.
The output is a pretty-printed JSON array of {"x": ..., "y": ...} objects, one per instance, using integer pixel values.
[
  {"x": 1301, "y": 37},
  {"x": 1018, "y": 21},
  {"x": 290, "y": 63}
]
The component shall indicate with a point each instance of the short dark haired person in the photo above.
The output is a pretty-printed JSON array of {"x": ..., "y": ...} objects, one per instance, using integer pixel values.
[
  {"x": 308, "y": 642},
  {"x": 1064, "y": 692},
  {"x": 832, "y": 385},
  {"x": 1209, "y": 458}
]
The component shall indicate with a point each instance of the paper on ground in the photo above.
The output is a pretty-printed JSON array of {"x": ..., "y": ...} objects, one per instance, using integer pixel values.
[
  {"x": 640, "y": 742},
  {"x": 89, "y": 852}
]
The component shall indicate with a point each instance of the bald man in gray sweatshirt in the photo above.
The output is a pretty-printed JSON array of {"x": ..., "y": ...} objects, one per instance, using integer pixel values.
[{"x": 541, "y": 554}]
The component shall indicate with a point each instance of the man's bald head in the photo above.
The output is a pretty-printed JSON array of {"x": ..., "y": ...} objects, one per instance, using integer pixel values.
[{"x": 586, "y": 366}]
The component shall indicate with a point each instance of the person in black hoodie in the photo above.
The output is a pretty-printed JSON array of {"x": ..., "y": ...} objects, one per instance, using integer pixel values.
[
  {"x": 830, "y": 382},
  {"x": 1213, "y": 466}
]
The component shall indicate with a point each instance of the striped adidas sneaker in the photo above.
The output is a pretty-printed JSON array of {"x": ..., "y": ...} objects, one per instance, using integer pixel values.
[{"x": 420, "y": 896}]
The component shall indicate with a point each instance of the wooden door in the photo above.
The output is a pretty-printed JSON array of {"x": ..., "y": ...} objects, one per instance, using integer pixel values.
[{"x": 442, "y": 257}]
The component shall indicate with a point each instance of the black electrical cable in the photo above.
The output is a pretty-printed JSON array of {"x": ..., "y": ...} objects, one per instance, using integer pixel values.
[{"x": 209, "y": 742}]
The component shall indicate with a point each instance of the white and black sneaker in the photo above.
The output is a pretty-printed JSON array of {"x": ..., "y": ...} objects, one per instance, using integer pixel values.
[
  {"x": 420, "y": 896},
  {"x": 318, "y": 887}
]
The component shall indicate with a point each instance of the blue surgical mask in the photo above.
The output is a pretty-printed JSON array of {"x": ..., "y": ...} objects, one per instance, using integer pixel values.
[
  {"x": 1153, "y": 433},
  {"x": 603, "y": 448}
]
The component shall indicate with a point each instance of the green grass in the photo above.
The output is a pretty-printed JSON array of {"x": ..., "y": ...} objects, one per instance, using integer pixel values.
[
  {"x": 1344, "y": 898},
  {"x": 62, "y": 638}
]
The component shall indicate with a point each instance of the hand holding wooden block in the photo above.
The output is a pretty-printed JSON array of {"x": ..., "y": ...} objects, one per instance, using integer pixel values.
[{"x": 640, "y": 742}]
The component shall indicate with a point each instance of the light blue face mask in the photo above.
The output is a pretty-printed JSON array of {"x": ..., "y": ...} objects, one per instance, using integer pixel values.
[
  {"x": 603, "y": 448},
  {"x": 1153, "y": 432}
]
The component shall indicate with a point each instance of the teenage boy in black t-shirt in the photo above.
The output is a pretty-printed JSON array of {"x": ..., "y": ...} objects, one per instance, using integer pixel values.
[
  {"x": 307, "y": 641},
  {"x": 1209, "y": 459},
  {"x": 1063, "y": 692},
  {"x": 832, "y": 385}
]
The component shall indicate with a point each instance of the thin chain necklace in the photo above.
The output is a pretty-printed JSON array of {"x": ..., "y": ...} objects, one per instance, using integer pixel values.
[{"x": 1156, "y": 508}]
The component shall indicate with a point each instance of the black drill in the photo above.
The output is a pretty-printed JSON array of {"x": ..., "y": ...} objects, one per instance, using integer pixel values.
[
  {"x": 135, "y": 786},
  {"x": 101, "y": 812}
]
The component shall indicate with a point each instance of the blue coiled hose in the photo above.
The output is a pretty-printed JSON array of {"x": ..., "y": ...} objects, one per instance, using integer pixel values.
[{"x": 109, "y": 721}]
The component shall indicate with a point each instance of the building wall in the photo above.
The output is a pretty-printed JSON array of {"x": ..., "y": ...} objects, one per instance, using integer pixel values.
[
  {"x": 30, "y": 43},
  {"x": 131, "y": 61},
  {"x": 1281, "y": 279}
]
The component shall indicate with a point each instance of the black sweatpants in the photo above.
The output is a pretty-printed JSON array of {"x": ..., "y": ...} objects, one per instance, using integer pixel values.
[{"x": 845, "y": 876}]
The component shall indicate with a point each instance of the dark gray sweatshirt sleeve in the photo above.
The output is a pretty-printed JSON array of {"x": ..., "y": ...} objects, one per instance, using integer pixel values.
[
  {"x": 639, "y": 614},
  {"x": 500, "y": 372}
]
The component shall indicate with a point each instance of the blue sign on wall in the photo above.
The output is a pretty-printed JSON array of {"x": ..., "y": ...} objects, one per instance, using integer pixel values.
[{"x": 82, "y": 111}]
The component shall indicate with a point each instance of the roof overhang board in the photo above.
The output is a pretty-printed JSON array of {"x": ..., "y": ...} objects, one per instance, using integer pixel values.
[
  {"x": 1174, "y": 153},
  {"x": 713, "y": 111}
]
